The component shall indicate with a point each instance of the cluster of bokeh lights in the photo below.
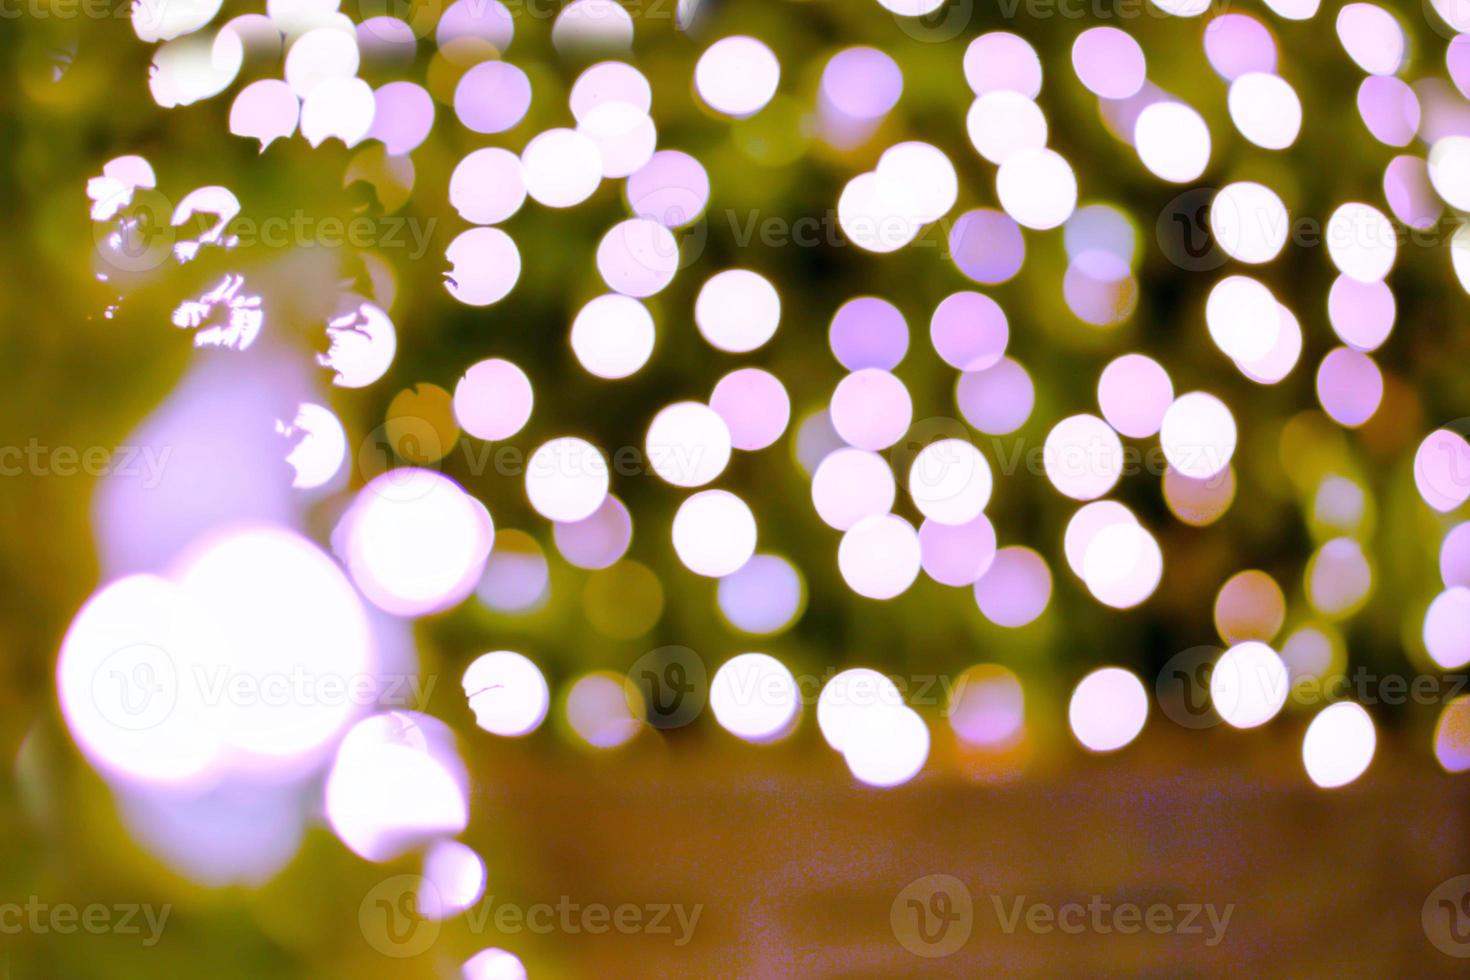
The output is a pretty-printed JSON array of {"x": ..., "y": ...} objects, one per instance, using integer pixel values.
[{"x": 908, "y": 493}]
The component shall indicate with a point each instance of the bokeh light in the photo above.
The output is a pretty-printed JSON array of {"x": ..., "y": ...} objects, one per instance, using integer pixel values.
[
  {"x": 506, "y": 692},
  {"x": 714, "y": 533},
  {"x": 1339, "y": 745},
  {"x": 415, "y": 542},
  {"x": 879, "y": 556},
  {"x": 1015, "y": 589},
  {"x": 1248, "y": 685},
  {"x": 764, "y": 596},
  {"x": 871, "y": 409},
  {"x": 754, "y": 697},
  {"x": 737, "y": 76},
  {"x": 566, "y": 479},
  {"x": 737, "y": 310},
  {"x": 1108, "y": 709},
  {"x": 754, "y": 405}
]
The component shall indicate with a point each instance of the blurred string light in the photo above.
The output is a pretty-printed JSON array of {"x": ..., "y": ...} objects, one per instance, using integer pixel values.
[
  {"x": 862, "y": 715},
  {"x": 602, "y": 711},
  {"x": 598, "y": 540},
  {"x": 493, "y": 964},
  {"x": 1248, "y": 685},
  {"x": 737, "y": 310},
  {"x": 754, "y": 697},
  {"x": 868, "y": 332},
  {"x": 517, "y": 576},
  {"x": 1108, "y": 709},
  {"x": 453, "y": 880},
  {"x": 320, "y": 445},
  {"x": 1452, "y": 736},
  {"x": 506, "y": 692},
  {"x": 1339, "y": 745},
  {"x": 1249, "y": 606},
  {"x": 956, "y": 554},
  {"x": 416, "y": 543},
  {"x": 764, "y": 596},
  {"x": 396, "y": 784},
  {"x": 987, "y": 707},
  {"x": 613, "y": 336},
  {"x": 754, "y": 406}
]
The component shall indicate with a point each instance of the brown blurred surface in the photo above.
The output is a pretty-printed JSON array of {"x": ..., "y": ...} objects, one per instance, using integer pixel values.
[{"x": 797, "y": 867}]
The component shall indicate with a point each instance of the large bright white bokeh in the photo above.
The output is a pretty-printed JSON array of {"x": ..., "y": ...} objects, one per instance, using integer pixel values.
[
  {"x": 950, "y": 481},
  {"x": 737, "y": 76},
  {"x": 714, "y": 533},
  {"x": 1339, "y": 745},
  {"x": 754, "y": 697},
  {"x": 1083, "y": 457},
  {"x": 688, "y": 444},
  {"x": 1172, "y": 141},
  {"x": 1198, "y": 435},
  {"x": 1248, "y": 685},
  {"x": 506, "y": 692},
  {"x": 613, "y": 336},
  {"x": 737, "y": 310},
  {"x": 879, "y": 556},
  {"x": 1108, "y": 709},
  {"x": 415, "y": 542},
  {"x": 566, "y": 479}
]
